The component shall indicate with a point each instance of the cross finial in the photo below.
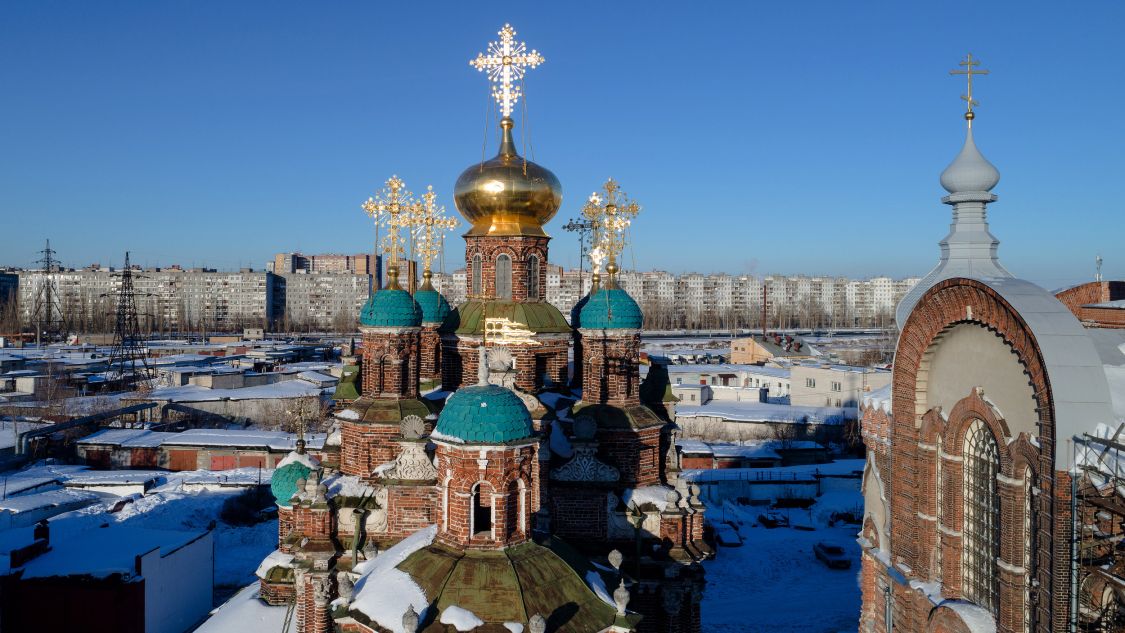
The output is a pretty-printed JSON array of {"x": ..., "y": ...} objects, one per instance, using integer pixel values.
[
  {"x": 969, "y": 69},
  {"x": 427, "y": 220},
  {"x": 610, "y": 216},
  {"x": 391, "y": 209},
  {"x": 506, "y": 63}
]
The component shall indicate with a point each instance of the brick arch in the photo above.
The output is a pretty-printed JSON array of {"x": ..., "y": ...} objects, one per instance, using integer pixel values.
[
  {"x": 1024, "y": 455},
  {"x": 945, "y": 619},
  {"x": 967, "y": 410},
  {"x": 947, "y": 304},
  {"x": 933, "y": 426}
]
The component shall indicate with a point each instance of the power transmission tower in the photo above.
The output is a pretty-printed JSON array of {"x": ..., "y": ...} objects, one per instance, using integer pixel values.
[
  {"x": 128, "y": 362},
  {"x": 47, "y": 315}
]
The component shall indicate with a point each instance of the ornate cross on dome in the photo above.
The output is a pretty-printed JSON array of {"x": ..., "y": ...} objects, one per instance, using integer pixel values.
[
  {"x": 427, "y": 220},
  {"x": 391, "y": 210},
  {"x": 969, "y": 65},
  {"x": 610, "y": 216},
  {"x": 506, "y": 63}
]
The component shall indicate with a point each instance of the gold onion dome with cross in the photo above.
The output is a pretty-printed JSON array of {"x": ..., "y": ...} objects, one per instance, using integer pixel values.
[{"x": 507, "y": 194}]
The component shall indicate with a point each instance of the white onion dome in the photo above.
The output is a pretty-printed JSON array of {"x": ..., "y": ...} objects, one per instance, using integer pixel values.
[{"x": 970, "y": 171}]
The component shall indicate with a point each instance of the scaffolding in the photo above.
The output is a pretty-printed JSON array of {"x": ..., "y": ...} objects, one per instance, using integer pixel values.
[{"x": 1098, "y": 512}]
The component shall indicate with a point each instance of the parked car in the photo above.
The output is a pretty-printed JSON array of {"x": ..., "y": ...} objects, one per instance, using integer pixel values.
[
  {"x": 832, "y": 555},
  {"x": 773, "y": 520}
]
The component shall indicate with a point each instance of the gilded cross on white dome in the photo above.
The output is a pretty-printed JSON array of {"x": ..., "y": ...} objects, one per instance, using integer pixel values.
[{"x": 506, "y": 63}]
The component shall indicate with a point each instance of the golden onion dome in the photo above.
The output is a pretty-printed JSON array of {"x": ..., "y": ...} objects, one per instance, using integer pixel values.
[{"x": 507, "y": 195}]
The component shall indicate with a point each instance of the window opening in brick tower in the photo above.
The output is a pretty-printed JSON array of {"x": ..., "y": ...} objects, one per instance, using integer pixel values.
[
  {"x": 503, "y": 277},
  {"x": 482, "y": 514},
  {"x": 980, "y": 581},
  {"x": 533, "y": 277},
  {"x": 476, "y": 273}
]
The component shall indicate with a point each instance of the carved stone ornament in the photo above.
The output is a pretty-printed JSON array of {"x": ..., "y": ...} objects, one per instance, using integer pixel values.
[
  {"x": 584, "y": 466},
  {"x": 345, "y": 585},
  {"x": 615, "y": 559},
  {"x": 537, "y": 624},
  {"x": 410, "y": 620},
  {"x": 412, "y": 427},
  {"x": 621, "y": 598},
  {"x": 377, "y": 518},
  {"x": 322, "y": 589},
  {"x": 412, "y": 464}
]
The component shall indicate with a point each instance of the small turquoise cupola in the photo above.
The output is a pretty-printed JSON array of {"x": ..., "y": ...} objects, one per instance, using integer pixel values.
[
  {"x": 295, "y": 467},
  {"x": 434, "y": 306},
  {"x": 610, "y": 308},
  {"x": 576, "y": 311},
  {"x": 483, "y": 414},
  {"x": 391, "y": 307}
]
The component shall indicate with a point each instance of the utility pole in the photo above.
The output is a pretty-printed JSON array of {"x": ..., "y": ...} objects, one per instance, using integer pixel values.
[
  {"x": 48, "y": 317},
  {"x": 128, "y": 353}
]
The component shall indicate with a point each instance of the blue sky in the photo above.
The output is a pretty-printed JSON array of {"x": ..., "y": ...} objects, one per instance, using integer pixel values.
[{"x": 791, "y": 137}]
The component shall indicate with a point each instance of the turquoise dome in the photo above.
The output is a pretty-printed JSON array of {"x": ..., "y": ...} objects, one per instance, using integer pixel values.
[
  {"x": 611, "y": 308},
  {"x": 283, "y": 485},
  {"x": 483, "y": 414},
  {"x": 576, "y": 312},
  {"x": 434, "y": 306},
  {"x": 391, "y": 308}
]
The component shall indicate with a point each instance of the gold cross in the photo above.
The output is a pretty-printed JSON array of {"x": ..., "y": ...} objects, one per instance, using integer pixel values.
[
  {"x": 427, "y": 220},
  {"x": 611, "y": 215},
  {"x": 506, "y": 63},
  {"x": 969, "y": 65},
  {"x": 391, "y": 210}
]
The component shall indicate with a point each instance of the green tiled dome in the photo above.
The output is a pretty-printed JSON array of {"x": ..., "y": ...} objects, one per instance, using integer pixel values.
[
  {"x": 283, "y": 485},
  {"x": 434, "y": 306},
  {"x": 391, "y": 308},
  {"x": 611, "y": 308},
  {"x": 483, "y": 414},
  {"x": 576, "y": 312}
]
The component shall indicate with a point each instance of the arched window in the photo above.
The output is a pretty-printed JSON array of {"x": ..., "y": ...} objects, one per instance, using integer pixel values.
[
  {"x": 476, "y": 273},
  {"x": 979, "y": 579},
  {"x": 533, "y": 277},
  {"x": 482, "y": 513},
  {"x": 503, "y": 277}
]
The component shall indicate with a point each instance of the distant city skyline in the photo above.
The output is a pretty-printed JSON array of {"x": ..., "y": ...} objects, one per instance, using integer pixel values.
[{"x": 769, "y": 139}]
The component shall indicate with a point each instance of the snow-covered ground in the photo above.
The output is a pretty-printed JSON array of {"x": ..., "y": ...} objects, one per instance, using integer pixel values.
[{"x": 773, "y": 582}]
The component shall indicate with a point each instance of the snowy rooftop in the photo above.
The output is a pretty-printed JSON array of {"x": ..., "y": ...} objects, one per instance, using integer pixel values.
[
  {"x": 127, "y": 438},
  {"x": 196, "y": 393},
  {"x": 245, "y": 612},
  {"x": 765, "y": 449},
  {"x": 101, "y": 552},
  {"x": 743, "y": 411},
  {"x": 274, "y": 440},
  {"x": 776, "y": 372}
]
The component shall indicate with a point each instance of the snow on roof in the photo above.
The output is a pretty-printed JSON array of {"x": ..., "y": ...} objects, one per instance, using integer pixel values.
[
  {"x": 654, "y": 495},
  {"x": 1118, "y": 304},
  {"x": 115, "y": 478},
  {"x": 317, "y": 377},
  {"x": 245, "y": 611},
  {"x": 197, "y": 393},
  {"x": 101, "y": 552},
  {"x": 460, "y": 618},
  {"x": 758, "y": 449},
  {"x": 127, "y": 438},
  {"x": 277, "y": 558},
  {"x": 384, "y": 592},
  {"x": 776, "y": 372},
  {"x": 879, "y": 398},
  {"x": 50, "y": 499},
  {"x": 693, "y": 446},
  {"x": 300, "y": 458},
  {"x": 744, "y": 411},
  {"x": 10, "y": 429},
  {"x": 274, "y": 440},
  {"x": 346, "y": 485}
]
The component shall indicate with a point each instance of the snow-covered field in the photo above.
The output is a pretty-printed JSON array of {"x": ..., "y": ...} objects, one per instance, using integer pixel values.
[{"x": 774, "y": 583}]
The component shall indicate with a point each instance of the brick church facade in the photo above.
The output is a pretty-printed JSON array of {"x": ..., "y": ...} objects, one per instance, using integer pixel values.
[
  {"x": 979, "y": 449},
  {"x": 507, "y": 497}
]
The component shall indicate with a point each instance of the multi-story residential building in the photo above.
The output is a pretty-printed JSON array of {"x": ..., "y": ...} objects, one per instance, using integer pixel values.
[
  {"x": 358, "y": 264},
  {"x": 323, "y": 301}
]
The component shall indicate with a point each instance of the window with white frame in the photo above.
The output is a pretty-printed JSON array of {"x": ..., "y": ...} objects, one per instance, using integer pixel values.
[{"x": 979, "y": 578}]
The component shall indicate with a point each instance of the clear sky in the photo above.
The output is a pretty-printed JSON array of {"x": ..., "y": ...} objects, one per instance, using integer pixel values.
[{"x": 791, "y": 137}]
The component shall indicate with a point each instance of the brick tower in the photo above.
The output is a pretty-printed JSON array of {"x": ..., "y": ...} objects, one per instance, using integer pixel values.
[
  {"x": 435, "y": 309},
  {"x": 507, "y": 200},
  {"x": 610, "y": 328},
  {"x": 488, "y": 469}
]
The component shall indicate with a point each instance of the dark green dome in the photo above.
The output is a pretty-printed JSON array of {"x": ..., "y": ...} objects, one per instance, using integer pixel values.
[
  {"x": 391, "y": 307},
  {"x": 283, "y": 485},
  {"x": 434, "y": 306},
  {"x": 483, "y": 414},
  {"x": 611, "y": 308}
]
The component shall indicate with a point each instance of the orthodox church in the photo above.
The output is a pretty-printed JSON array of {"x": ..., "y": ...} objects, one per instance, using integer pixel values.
[
  {"x": 992, "y": 488},
  {"x": 517, "y": 495}
]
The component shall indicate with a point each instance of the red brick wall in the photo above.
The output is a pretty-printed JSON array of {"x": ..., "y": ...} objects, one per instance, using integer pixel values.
[
  {"x": 636, "y": 453},
  {"x": 364, "y": 446},
  {"x": 411, "y": 509},
  {"x": 461, "y": 356},
  {"x": 390, "y": 363},
  {"x": 578, "y": 512},
  {"x": 520, "y": 249},
  {"x": 459, "y": 471},
  {"x": 611, "y": 367},
  {"x": 430, "y": 353},
  {"x": 1095, "y": 292}
]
